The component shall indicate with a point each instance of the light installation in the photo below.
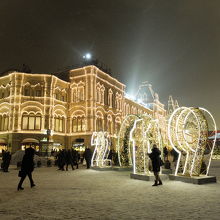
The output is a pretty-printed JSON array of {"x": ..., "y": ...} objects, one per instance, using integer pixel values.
[
  {"x": 188, "y": 132},
  {"x": 137, "y": 135},
  {"x": 144, "y": 134},
  {"x": 124, "y": 148},
  {"x": 102, "y": 147}
]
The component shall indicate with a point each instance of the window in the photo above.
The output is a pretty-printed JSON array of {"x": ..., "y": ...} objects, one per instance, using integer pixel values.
[
  {"x": 102, "y": 95},
  {"x": 63, "y": 98},
  {"x": 78, "y": 124},
  {"x": 27, "y": 91},
  {"x": 81, "y": 93},
  {"x": 98, "y": 94},
  {"x": 4, "y": 121},
  {"x": 118, "y": 125},
  {"x": 74, "y": 95},
  {"x": 31, "y": 121},
  {"x": 99, "y": 124},
  {"x": 109, "y": 126},
  {"x": 38, "y": 93},
  {"x": 110, "y": 97},
  {"x": 59, "y": 124}
]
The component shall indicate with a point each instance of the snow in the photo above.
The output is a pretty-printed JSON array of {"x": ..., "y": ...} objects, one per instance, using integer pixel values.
[{"x": 90, "y": 194}]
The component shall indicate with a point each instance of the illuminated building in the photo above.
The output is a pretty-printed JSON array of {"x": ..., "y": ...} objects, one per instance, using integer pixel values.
[{"x": 48, "y": 111}]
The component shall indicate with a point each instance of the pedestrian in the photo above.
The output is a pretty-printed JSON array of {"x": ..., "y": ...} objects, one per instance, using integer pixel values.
[
  {"x": 27, "y": 167},
  {"x": 88, "y": 157},
  {"x": 156, "y": 163},
  {"x": 6, "y": 158},
  {"x": 75, "y": 157},
  {"x": 68, "y": 159},
  {"x": 165, "y": 153},
  {"x": 61, "y": 160}
]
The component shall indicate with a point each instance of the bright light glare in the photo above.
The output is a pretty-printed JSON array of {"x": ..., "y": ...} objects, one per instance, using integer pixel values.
[
  {"x": 128, "y": 96},
  {"x": 88, "y": 56}
]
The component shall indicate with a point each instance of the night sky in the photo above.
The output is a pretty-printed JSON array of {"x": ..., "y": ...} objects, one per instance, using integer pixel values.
[{"x": 173, "y": 44}]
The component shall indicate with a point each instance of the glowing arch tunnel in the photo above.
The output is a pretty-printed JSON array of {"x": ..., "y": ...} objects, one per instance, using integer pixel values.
[{"x": 136, "y": 138}]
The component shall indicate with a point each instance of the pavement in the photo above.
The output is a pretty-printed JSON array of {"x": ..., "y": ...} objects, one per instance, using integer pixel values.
[{"x": 103, "y": 195}]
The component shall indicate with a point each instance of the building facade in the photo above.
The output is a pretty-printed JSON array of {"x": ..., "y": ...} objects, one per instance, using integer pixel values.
[{"x": 43, "y": 110}]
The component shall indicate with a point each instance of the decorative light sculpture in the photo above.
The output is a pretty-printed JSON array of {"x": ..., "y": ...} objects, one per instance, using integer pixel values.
[
  {"x": 188, "y": 131},
  {"x": 102, "y": 147},
  {"x": 124, "y": 148},
  {"x": 144, "y": 134}
]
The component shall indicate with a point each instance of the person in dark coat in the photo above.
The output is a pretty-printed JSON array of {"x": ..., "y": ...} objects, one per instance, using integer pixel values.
[
  {"x": 61, "y": 160},
  {"x": 75, "y": 157},
  {"x": 165, "y": 153},
  {"x": 27, "y": 167},
  {"x": 88, "y": 157},
  {"x": 156, "y": 163},
  {"x": 6, "y": 158},
  {"x": 68, "y": 159}
]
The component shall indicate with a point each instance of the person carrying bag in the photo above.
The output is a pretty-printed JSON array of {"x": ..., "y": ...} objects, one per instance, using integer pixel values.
[{"x": 27, "y": 167}]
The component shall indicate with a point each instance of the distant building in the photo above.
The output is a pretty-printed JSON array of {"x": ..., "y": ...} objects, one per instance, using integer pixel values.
[{"x": 45, "y": 111}]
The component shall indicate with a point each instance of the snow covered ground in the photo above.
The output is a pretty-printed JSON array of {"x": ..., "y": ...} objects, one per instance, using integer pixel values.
[{"x": 90, "y": 194}]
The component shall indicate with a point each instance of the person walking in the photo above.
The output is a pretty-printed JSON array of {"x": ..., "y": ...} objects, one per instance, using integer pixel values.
[
  {"x": 27, "y": 167},
  {"x": 6, "y": 158},
  {"x": 88, "y": 157},
  {"x": 68, "y": 159},
  {"x": 156, "y": 163}
]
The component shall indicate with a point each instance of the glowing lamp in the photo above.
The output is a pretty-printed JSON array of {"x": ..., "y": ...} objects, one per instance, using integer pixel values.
[{"x": 87, "y": 56}]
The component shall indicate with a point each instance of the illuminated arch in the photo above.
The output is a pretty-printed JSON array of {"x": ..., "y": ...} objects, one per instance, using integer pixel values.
[
  {"x": 31, "y": 108},
  {"x": 123, "y": 142},
  {"x": 143, "y": 135}
]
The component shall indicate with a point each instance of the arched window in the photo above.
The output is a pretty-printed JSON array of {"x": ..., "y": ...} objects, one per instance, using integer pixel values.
[
  {"x": 59, "y": 123},
  {"x": 78, "y": 124},
  {"x": 109, "y": 124},
  {"x": 75, "y": 95},
  {"x": 117, "y": 125},
  {"x": 81, "y": 93},
  {"x": 4, "y": 122},
  {"x": 27, "y": 90},
  {"x": 7, "y": 92},
  {"x": 63, "y": 97},
  {"x": 31, "y": 121},
  {"x": 102, "y": 93},
  {"x": 38, "y": 91},
  {"x": 98, "y": 94},
  {"x": 110, "y": 97},
  {"x": 99, "y": 122}
]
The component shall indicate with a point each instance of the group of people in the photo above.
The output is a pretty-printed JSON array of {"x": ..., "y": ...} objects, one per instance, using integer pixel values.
[
  {"x": 72, "y": 157},
  {"x": 64, "y": 158},
  {"x": 6, "y": 158}
]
